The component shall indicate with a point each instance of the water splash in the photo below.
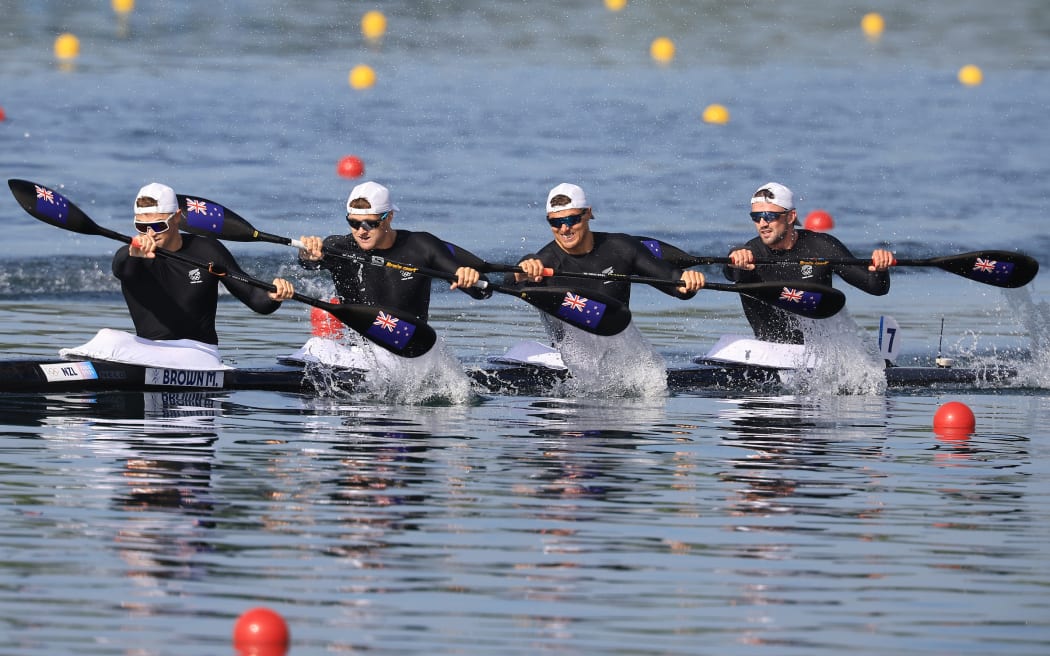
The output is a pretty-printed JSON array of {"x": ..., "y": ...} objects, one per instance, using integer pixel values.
[
  {"x": 1034, "y": 317},
  {"x": 623, "y": 365},
  {"x": 846, "y": 361},
  {"x": 435, "y": 377}
]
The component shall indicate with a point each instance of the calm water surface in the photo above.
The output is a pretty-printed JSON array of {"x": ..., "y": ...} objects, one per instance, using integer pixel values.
[{"x": 807, "y": 521}]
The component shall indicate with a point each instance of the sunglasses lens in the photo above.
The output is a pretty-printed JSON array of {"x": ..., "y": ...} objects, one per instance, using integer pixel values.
[
  {"x": 568, "y": 221},
  {"x": 156, "y": 226},
  {"x": 769, "y": 217}
]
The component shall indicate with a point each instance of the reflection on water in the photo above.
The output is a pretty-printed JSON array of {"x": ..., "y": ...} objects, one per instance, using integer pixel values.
[
  {"x": 569, "y": 521},
  {"x": 792, "y": 460}
]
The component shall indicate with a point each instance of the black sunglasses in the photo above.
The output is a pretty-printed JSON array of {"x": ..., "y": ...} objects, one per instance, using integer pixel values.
[
  {"x": 769, "y": 217},
  {"x": 567, "y": 221},
  {"x": 371, "y": 224}
]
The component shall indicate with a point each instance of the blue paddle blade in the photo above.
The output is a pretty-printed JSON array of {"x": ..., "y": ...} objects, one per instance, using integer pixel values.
[
  {"x": 203, "y": 216},
  {"x": 50, "y": 206},
  {"x": 595, "y": 313}
]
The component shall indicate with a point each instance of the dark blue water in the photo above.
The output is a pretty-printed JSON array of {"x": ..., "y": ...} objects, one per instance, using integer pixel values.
[{"x": 809, "y": 521}]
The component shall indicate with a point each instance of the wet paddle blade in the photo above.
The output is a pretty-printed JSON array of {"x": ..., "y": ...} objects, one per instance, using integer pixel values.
[
  {"x": 798, "y": 297},
  {"x": 997, "y": 268},
  {"x": 52, "y": 207},
  {"x": 396, "y": 331},
  {"x": 206, "y": 217},
  {"x": 595, "y": 313}
]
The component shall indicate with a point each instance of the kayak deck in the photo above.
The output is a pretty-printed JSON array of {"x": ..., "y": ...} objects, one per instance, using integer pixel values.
[{"x": 510, "y": 379}]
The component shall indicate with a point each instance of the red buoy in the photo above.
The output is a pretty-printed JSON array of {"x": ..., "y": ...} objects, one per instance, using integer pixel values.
[
  {"x": 3, "y": 116},
  {"x": 262, "y": 632},
  {"x": 324, "y": 323},
  {"x": 350, "y": 167},
  {"x": 819, "y": 221},
  {"x": 954, "y": 416}
]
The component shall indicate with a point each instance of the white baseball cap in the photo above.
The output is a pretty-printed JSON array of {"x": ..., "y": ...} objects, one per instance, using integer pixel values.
[
  {"x": 377, "y": 196},
  {"x": 577, "y": 199},
  {"x": 163, "y": 194},
  {"x": 782, "y": 196}
]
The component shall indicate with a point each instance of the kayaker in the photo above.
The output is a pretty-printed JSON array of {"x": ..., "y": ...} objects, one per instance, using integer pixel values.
[
  {"x": 576, "y": 248},
  {"x": 780, "y": 239},
  {"x": 172, "y": 303},
  {"x": 370, "y": 215},
  {"x": 172, "y": 300}
]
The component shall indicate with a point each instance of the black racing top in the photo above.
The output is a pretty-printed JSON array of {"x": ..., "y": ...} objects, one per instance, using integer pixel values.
[
  {"x": 775, "y": 325},
  {"x": 368, "y": 284},
  {"x": 169, "y": 299},
  {"x": 612, "y": 253}
]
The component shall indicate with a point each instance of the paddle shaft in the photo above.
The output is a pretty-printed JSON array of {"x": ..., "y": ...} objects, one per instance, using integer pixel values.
[
  {"x": 989, "y": 267},
  {"x": 212, "y": 269},
  {"x": 549, "y": 300}
]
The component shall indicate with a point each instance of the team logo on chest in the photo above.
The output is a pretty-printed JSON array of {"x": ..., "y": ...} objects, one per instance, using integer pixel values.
[
  {"x": 807, "y": 270},
  {"x": 195, "y": 276}
]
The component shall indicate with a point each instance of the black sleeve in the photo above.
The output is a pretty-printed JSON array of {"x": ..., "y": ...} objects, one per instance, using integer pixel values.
[
  {"x": 254, "y": 297},
  {"x": 876, "y": 283},
  {"x": 648, "y": 265},
  {"x": 465, "y": 258}
]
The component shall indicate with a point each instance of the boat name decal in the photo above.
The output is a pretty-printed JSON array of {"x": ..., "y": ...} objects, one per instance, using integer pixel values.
[{"x": 183, "y": 378}]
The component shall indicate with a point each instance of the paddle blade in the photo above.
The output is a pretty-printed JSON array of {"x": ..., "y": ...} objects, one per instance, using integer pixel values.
[
  {"x": 997, "y": 268},
  {"x": 206, "y": 217},
  {"x": 798, "y": 297},
  {"x": 400, "y": 333},
  {"x": 595, "y": 313},
  {"x": 51, "y": 207}
]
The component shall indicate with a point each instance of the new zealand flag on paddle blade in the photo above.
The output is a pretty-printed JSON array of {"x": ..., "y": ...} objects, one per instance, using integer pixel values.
[
  {"x": 792, "y": 298},
  {"x": 992, "y": 271},
  {"x": 654, "y": 248},
  {"x": 580, "y": 311},
  {"x": 52, "y": 204},
  {"x": 391, "y": 331},
  {"x": 204, "y": 216}
]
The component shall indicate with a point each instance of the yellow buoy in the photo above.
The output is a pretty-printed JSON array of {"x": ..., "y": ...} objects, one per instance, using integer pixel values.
[
  {"x": 662, "y": 49},
  {"x": 67, "y": 46},
  {"x": 872, "y": 25},
  {"x": 716, "y": 114},
  {"x": 123, "y": 6},
  {"x": 615, "y": 5},
  {"x": 373, "y": 24},
  {"x": 970, "y": 75},
  {"x": 362, "y": 76}
]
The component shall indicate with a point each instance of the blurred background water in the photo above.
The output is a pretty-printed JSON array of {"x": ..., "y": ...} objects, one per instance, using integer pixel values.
[{"x": 695, "y": 522}]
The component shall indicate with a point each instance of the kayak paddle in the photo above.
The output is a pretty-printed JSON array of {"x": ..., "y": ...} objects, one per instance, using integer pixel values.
[
  {"x": 391, "y": 329},
  {"x": 807, "y": 299},
  {"x": 595, "y": 313},
  {"x": 992, "y": 267}
]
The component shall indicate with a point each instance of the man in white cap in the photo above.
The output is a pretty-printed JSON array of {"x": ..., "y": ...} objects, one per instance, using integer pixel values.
[
  {"x": 172, "y": 300},
  {"x": 370, "y": 215},
  {"x": 576, "y": 248},
  {"x": 793, "y": 249}
]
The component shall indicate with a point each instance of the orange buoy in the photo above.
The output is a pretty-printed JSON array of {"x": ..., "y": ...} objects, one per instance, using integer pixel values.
[
  {"x": 954, "y": 416},
  {"x": 261, "y": 631},
  {"x": 350, "y": 167},
  {"x": 324, "y": 323},
  {"x": 819, "y": 221}
]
